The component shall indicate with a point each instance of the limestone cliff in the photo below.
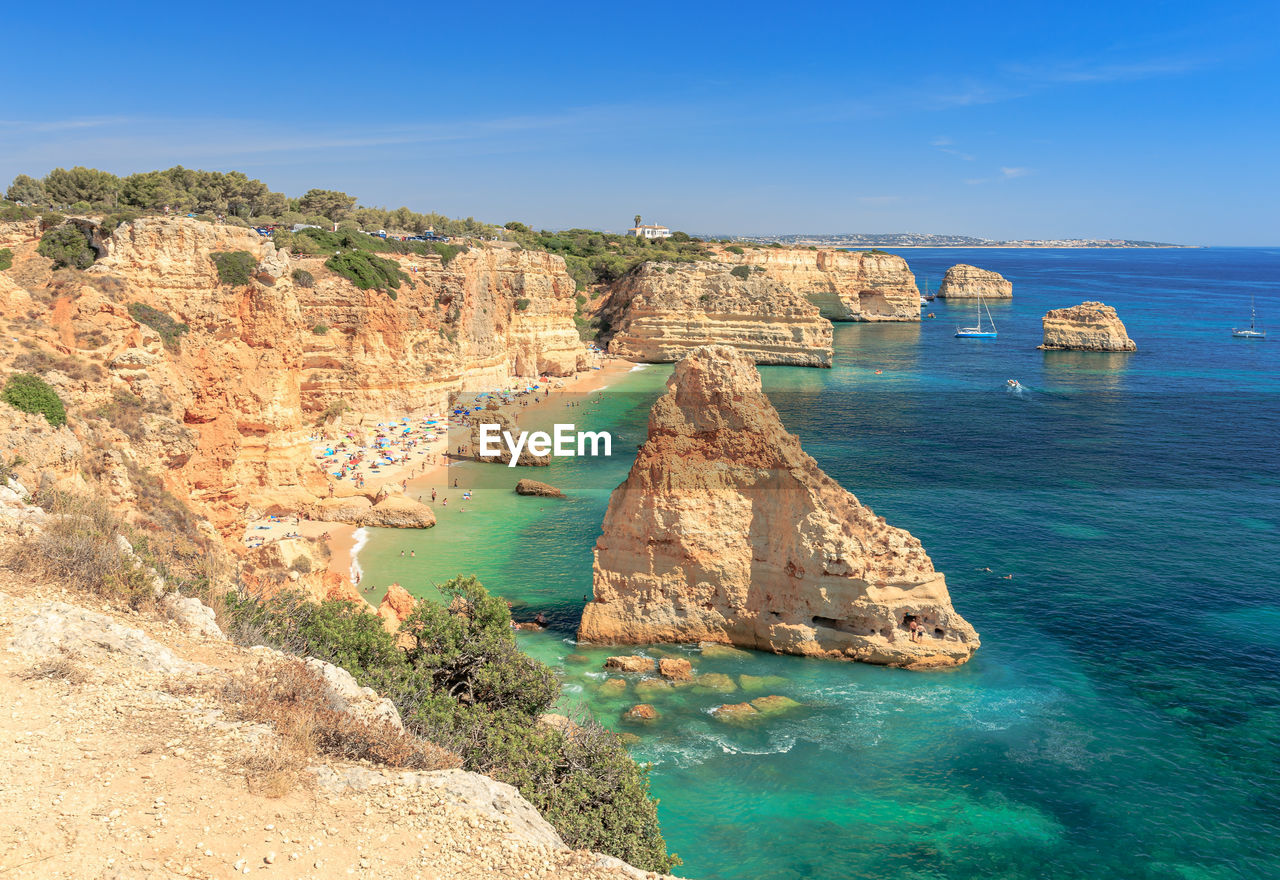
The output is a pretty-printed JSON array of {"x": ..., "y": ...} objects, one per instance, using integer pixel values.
[
  {"x": 216, "y": 390},
  {"x": 963, "y": 281},
  {"x": 726, "y": 531},
  {"x": 845, "y": 285},
  {"x": 661, "y": 311},
  {"x": 1090, "y": 326}
]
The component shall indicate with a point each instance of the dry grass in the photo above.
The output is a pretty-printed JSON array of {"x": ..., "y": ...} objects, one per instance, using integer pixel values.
[
  {"x": 59, "y": 668},
  {"x": 78, "y": 547},
  {"x": 291, "y": 699}
]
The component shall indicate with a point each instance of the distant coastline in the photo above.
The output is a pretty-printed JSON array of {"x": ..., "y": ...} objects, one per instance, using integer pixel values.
[{"x": 928, "y": 240}]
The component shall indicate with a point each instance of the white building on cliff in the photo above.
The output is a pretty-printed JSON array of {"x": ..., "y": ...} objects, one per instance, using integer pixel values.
[{"x": 648, "y": 231}]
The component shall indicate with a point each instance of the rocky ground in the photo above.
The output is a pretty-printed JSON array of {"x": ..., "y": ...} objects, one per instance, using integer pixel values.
[{"x": 123, "y": 762}]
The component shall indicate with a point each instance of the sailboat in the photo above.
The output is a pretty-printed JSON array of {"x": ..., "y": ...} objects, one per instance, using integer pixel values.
[
  {"x": 978, "y": 332},
  {"x": 925, "y": 297},
  {"x": 1253, "y": 332}
]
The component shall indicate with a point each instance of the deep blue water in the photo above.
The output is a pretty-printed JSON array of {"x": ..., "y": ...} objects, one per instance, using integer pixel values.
[{"x": 1122, "y": 718}]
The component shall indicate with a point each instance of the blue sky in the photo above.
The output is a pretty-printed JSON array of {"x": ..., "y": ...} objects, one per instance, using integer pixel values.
[{"x": 1141, "y": 120}]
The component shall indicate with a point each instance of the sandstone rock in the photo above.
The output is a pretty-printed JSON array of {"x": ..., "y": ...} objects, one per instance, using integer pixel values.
[
  {"x": 752, "y": 683},
  {"x": 503, "y": 425},
  {"x": 661, "y": 311},
  {"x": 630, "y": 663},
  {"x": 613, "y": 687},
  {"x": 774, "y": 705},
  {"x": 642, "y": 712},
  {"x": 399, "y": 512},
  {"x": 844, "y": 285},
  {"x": 345, "y": 695},
  {"x": 716, "y": 682},
  {"x": 735, "y": 713},
  {"x": 963, "y": 281},
  {"x": 395, "y": 607},
  {"x": 577, "y": 658},
  {"x": 652, "y": 688},
  {"x": 726, "y": 531},
  {"x": 724, "y": 652},
  {"x": 59, "y": 628},
  {"x": 1090, "y": 326},
  {"x": 533, "y": 487},
  {"x": 675, "y": 669},
  {"x": 342, "y": 508}
]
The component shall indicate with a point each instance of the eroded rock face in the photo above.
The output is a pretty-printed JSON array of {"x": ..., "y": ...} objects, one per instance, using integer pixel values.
[
  {"x": 661, "y": 311},
  {"x": 725, "y": 531},
  {"x": 845, "y": 285},
  {"x": 963, "y": 281},
  {"x": 239, "y": 396},
  {"x": 1090, "y": 326}
]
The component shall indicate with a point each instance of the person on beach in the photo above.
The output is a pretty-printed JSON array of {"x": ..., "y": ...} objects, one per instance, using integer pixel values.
[
  {"x": 433, "y": 495},
  {"x": 915, "y": 630}
]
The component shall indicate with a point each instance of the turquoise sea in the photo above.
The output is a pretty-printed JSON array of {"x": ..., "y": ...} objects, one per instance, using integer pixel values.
[{"x": 1122, "y": 718}]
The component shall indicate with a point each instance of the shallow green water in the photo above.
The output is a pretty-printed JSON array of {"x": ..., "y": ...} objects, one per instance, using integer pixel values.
[{"x": 1122, "y": 718}]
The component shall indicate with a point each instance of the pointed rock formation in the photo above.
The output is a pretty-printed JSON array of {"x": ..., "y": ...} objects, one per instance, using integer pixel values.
[
  {"x": 963, "y": 281},
  {"x": 1090, "y": 326},
  {"x": 725, "y": 531},
  {"x": 395, "y": 607}
]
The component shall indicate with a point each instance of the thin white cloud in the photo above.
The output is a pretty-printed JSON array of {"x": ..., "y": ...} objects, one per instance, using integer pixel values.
[{"x": 1012, "y": 172}]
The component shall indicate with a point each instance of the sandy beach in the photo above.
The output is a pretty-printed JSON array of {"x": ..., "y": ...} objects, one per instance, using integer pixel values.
[{"x": 425, "y": 469}]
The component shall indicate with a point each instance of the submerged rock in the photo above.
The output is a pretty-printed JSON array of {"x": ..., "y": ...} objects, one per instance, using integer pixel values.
[
  {"x": 726, "y": 531},
  {"x": 963, "y": 281},
  {"x": 1090, "y": 326}
]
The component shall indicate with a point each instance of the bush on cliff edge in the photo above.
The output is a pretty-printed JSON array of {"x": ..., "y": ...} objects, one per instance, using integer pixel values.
[
  {"x": 366, "y": 271},
  {"x": 31, "y": 394},
  {"x": 67, "y": 246},
  {"x": 466, "y": 686},
  {"x": 6, "y": 259}
]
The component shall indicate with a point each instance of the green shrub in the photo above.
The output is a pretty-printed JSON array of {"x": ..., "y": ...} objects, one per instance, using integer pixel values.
[
  {"x": 51, "y": 220},
  {"x": 465, "y": 685},
  {"x": 320, "y": 329},
  {"x": 31, "y": 394},
  {"x": 234, "y": 267},
  {"x": 303, "y": 278},
  {"x": 67, "y": 246},
  {"x": 735, "y": 249},
  {"x": 523, "y": 303},
  {"x": 366, "y": 271},
  {"x": 740, "y": 271},
  {"x": 6, "y": 259},
  {"x": 170, "y": 330},
  {"x": 115, "y": 218}
]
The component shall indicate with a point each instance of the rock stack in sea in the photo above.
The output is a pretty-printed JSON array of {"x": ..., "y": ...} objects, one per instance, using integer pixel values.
[
  {"x": 1090, "y": 326},
  {"x": 661, "y": 311},
  {"x": 726, "y": 531},
  {"x": 963, "y": 281}
]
